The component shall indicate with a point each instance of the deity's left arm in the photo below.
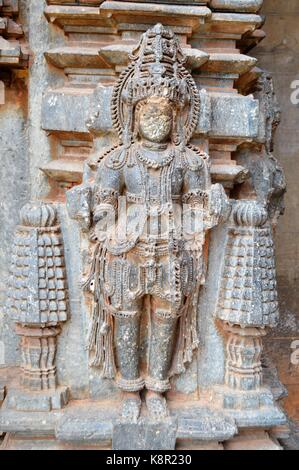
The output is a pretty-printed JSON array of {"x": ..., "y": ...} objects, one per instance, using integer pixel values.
[
  {"x": 209, "y": 199},
  {"x": 218, "y": 207}
]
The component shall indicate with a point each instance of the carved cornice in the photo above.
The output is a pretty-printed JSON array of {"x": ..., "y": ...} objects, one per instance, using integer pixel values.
[{"x": 226, "y": 5}]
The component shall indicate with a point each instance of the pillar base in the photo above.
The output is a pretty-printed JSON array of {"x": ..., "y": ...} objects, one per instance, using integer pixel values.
[{"x": 252, "y": 408}]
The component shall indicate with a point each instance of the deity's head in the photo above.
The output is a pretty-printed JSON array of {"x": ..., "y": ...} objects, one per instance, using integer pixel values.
[
  {"x": 154, "y": 119},
  {"x": 155, "y": 98}
]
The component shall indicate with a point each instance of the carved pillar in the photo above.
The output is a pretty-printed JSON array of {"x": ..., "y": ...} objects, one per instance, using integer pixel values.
[
  {"x": 38, "y": 303},
  {"x": 247, "y": 306},
  {"x": 38, "y": 350},
  {"x": 243, "y": 357}
]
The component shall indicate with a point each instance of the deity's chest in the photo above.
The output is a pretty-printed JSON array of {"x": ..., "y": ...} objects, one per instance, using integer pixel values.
[{"x": 156, "y": 184}]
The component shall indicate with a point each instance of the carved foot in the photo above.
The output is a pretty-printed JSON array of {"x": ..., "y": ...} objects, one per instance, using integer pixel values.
[
  {"x": 131, "y": 406},
  {"x": 156, "y": 405}
]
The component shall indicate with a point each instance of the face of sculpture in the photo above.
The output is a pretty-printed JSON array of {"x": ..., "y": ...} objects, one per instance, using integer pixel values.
[{"x": 155, "y": 120}]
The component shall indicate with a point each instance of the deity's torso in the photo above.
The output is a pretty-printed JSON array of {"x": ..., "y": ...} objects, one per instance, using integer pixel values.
[
  {"x": 154, "y": 185},
  {"x": 149, "y": 174}
]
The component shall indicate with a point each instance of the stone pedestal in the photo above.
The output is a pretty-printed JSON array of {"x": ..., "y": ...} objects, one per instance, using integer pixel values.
[{"x": 145, "y": 435}]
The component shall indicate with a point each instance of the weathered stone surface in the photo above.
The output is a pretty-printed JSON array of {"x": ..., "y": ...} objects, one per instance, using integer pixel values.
[
  {"x": 21, "y": 400},
  {"x": 144, "y": 435},
  {"x": 30, "y": 424},
  {"x": 64, "y": 170},
  {"x": 65, "y": 110},
  {"x": 233, "y": 116},
  {"x": 199, "y": 423},
  {"x": 255, "y": 408},
  {"x": 252, "y": 440},
  {"x": 14, "y": 167},
  {"x": 13, "y": 54},
  {"x": 2, "y": 391},
  {"x": 182, "y": 14},
  {"x": 237, "y": 5},
  {"x": 90, "y": 425},
  {"x": 79, "y": 56},
  {"x": 229, "y": 63}
]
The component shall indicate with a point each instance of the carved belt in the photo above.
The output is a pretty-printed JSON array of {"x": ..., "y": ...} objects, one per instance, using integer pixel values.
[
  {"x": 160, "y": 248},
  {"x": 138, "y": 198}
]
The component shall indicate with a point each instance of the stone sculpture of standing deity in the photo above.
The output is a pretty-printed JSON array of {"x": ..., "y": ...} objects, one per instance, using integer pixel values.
[{"x": 158, "y": 188}]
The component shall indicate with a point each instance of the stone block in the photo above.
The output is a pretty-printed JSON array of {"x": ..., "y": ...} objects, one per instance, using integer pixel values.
[
  {"x": 237, "y": 5},
  {"x": 66, "y": 110},
  {"x": 252, "y": 440},
  {"x": 48, "y": 400},
  {"x": 255, "y": 408},
  {"x": 233, "y": 116},
  {"x": 204, "y": 424},
  {"x": 144, "y": 435},
  {"x": 221, "y": 115}
]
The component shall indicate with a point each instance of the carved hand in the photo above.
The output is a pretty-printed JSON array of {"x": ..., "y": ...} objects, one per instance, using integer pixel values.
[
  {"x": 103, "y": 219},
  {"x": 219, "y": 204}
]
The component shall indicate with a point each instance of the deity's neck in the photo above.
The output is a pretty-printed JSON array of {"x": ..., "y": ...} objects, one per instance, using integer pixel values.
[{"x": 156, "y": 146}]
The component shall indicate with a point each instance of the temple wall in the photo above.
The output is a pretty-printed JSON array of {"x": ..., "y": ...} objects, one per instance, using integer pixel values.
[
  {"x": 49, "y": 118},
  {"x": 278, "y": 53},
  {"x": 14, "y": 192},
  {"x": 14, "y": 144}
]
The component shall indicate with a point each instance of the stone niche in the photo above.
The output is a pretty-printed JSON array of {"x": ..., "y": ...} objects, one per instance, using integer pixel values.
[{"x": 70, "y": 381}]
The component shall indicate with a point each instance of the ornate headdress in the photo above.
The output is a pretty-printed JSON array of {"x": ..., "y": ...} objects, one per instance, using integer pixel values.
[{"x": 156, "y": 69}]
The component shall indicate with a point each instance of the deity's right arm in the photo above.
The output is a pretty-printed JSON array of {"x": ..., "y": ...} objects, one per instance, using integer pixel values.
[
  {"x": 106, "y": 191},
  {"x": 86, "y": 203}
]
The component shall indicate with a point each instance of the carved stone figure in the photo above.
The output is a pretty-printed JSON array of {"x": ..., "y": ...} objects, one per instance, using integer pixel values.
[
  {"x": 146, "y": 262},
  {"x": 140, "y": 227}
]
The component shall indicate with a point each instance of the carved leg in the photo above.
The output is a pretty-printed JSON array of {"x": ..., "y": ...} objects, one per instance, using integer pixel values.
[
  {"x": 163, "y": 327},
  {"x": 127, "y": 331}
]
